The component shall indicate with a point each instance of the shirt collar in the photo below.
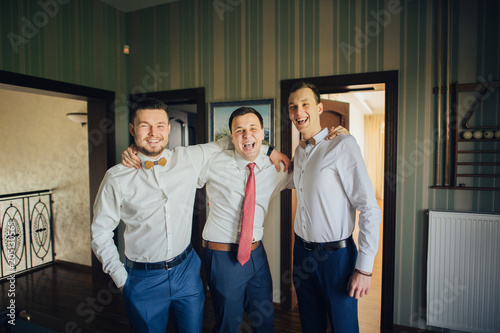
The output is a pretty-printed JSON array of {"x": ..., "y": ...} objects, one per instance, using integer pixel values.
[
  {"x": 242, "y": 163},
  {"x": 315, "y": 139}
]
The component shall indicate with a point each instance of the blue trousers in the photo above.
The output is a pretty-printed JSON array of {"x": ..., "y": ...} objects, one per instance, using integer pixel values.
[
  {"x": 235, "y": 289},
  {"x": 151, "y": 295},
  {"x": 320, "y": 278}
]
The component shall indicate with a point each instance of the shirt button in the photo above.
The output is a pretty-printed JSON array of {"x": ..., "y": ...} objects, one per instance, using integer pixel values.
[
  {"x": 301, "y": 190},
  {"x": 303, "y": 209},
  {"x": 302, "y": 171}
]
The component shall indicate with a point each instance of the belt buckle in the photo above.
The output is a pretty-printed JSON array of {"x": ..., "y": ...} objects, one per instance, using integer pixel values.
[
  {"x": 309, "y": 246},
  {"x": 167, "y": 262}
]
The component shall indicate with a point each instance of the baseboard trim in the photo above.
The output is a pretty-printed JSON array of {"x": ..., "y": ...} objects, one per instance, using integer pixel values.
[
  {"x": 28, "y": 271},
  {"x": 408, "y": 329},
  {"x": 74, "y": 266}
]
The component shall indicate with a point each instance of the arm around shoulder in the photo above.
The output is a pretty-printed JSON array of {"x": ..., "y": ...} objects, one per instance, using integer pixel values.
[
  {"x": 276, "y": 158},
  {"x": 200, "y": 154}
]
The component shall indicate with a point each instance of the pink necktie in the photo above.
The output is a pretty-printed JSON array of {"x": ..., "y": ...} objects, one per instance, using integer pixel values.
[{"x": 246, "y": 234}]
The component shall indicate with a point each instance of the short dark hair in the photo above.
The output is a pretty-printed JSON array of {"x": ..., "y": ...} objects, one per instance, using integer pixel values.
[
  {"x": 303, "y": 84},
  {"x": 147, "y": 104},
  {"x": 243, "y": 111}
]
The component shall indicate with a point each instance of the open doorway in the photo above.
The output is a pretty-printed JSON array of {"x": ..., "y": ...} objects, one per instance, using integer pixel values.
[
  {"x": 338, "y": 85},
  {"x": 99, "y": 128},
  {"x": 183, "y": 128},
  {"x": 49, "y": 154}
]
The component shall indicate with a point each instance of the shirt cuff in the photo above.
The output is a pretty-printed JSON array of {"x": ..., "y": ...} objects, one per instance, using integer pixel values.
[
  {"x": 365, "y": 263},
  {"x": 270, "y": 150},
  {"x": 120, "y": 277}
]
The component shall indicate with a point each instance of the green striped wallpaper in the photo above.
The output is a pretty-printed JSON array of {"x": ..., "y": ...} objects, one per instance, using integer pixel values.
[
  {"x": 241, "y": 49},
  {"x": 75, "y": 41}
]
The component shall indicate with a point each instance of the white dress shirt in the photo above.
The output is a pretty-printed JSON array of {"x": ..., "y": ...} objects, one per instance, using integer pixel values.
[
  {"x": 332, "y": 183},
  {"x": 155, "y": 204},
  {"x": 226, "y": 176}
]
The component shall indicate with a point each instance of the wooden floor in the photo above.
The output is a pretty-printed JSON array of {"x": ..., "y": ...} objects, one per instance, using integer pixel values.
[{"x": 63, "y": 298}]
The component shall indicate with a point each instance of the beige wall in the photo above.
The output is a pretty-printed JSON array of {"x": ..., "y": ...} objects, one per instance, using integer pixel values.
[{"x": 43, "y": 149}]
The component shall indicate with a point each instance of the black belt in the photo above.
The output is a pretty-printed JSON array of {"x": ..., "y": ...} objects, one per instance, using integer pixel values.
[
  {"x": 330, "y": 246},
  {"x": 168, "y": 264}
]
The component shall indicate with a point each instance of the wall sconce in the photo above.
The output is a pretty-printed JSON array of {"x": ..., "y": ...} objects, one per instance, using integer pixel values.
[{"x": 78, "y": 117}]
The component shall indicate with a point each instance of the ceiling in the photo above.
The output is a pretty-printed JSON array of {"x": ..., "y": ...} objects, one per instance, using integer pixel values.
[
  {"x": 370, "y": 101},
  {"x": 133, "y": 5}
]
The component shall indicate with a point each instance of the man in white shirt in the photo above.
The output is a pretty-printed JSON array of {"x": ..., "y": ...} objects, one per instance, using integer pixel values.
[
  {"x": 162, "y": 271},
  {"x": 236, "y": 287},
  {"x": 332, "y": 183}
]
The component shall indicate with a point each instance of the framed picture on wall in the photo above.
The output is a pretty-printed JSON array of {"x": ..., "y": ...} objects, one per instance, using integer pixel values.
[{"x": 219, "y": 113}]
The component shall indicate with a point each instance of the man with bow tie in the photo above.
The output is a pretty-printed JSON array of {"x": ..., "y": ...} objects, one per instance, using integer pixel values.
[
  {"x": 332, "y": 183},
  {"x": 162, "y": 271}
]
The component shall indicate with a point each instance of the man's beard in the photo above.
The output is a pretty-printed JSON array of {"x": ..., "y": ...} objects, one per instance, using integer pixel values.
[{"x": 151, "y": 153}]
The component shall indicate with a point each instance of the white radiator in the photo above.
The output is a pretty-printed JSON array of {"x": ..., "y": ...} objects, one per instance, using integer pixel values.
[{"x": 463, "y": 271}]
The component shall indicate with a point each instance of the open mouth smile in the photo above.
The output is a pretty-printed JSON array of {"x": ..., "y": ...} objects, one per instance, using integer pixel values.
[
  {"x": 248, "y": 145},
  {"x": 153, "y": 141},
  {"x": 301, "y": 121}
]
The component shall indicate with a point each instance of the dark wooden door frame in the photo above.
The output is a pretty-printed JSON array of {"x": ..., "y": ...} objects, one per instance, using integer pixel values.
[
  {"x": 188, "y": 96},
  {"x": 336, "y": 84},
  {"x": 100, "y": 126}
]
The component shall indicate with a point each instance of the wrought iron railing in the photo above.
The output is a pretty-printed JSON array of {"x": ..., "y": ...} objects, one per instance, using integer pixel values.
[{"x": 26, "y": 238}]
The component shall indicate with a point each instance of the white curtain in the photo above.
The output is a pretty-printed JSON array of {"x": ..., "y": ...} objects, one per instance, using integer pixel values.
[{"x": 374, "y": 151}]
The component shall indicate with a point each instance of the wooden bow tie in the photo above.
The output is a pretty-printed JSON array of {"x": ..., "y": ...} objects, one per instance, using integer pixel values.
[
  {"x": 303, "y": 143},
  {"x": 149, "y": 164}
]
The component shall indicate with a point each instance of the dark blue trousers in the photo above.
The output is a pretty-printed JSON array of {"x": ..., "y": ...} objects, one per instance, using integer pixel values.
[
  {"x": 235, "y": 289},
  {"x": 320, "y": 278},
  {"x": 150, "y": 295}
]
